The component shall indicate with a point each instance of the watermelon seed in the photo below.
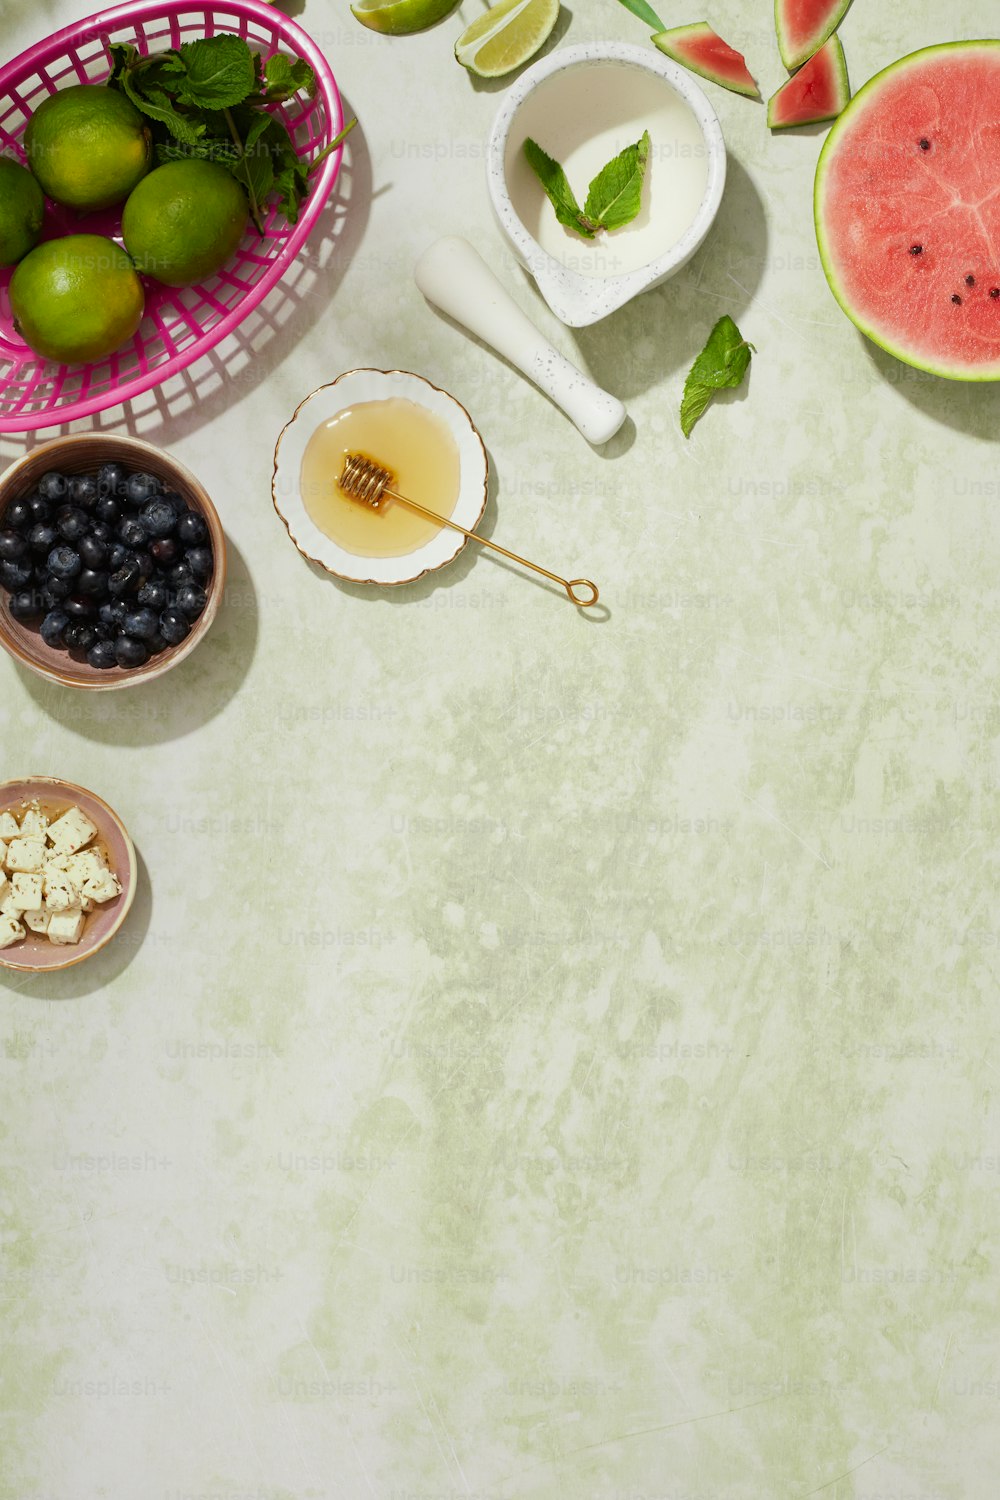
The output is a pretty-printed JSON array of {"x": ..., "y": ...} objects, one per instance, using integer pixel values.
[
  {"x": 916, "y": 249},
  {"x": 956, "y": 299},
  {"x": 995, "y": 292},
  {"x": 970, "y": 280},
  {"x": 924, "y": 143}
]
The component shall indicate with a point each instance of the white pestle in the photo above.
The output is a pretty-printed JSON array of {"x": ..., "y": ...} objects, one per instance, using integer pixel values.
[{"x": 454, "y": 276}]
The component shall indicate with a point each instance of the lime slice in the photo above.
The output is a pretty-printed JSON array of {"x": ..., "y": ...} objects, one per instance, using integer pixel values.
[
  {"x": 506, "y": 36},
  {"x": 400, "y": 17}
]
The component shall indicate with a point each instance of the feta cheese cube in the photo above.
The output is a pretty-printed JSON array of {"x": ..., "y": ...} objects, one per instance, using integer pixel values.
[
  {"x": 103, "y": 887},
  {"x": 34, "y": 822},
  {"x": 26, "y": 891},
  {"x": 26, "y": 854},
  {"x": 66, "y": 926},
  {"x": 89, "y": 864},
  {"x": 9, "y": 907},
  {"x": 11, "y": 931},
  {"x": 60, "y": 892},
  {"x": 70, "y": 832},
  {"x": 3, "y": 883},
  {"x": 38, "y": 921},
  {"x": 8, "y": 827}
]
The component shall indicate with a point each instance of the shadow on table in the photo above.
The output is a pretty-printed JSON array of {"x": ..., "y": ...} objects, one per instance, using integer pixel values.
[
  {"x": 94, "y": 973},
  {"x": 268, "y": 334},
  {"x": 966, "y": 406},
  {"x": 181, "y": 701}
]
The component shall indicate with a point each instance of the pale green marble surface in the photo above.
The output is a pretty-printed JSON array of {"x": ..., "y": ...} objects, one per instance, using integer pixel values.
[{"x": 607, "y": 1110}]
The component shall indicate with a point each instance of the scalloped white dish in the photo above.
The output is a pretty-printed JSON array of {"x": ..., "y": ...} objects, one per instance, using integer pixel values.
[{"x": 323, "y": 405}]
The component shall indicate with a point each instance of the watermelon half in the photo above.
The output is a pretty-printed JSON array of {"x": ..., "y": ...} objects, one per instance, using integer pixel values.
[
  {"x": 907, "y": 206},
  {"x": 702, "y": 50},
  {"x": 818, "y": 91},
  {"x": 804, "y": 25}
]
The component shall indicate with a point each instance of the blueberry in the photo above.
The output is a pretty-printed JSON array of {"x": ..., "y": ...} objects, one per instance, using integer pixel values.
[
  {"x": 79, "y": 636},
  {"x": 79, "y": 607},
  {"x": 133, "y": 531},
  {"x": 110, "y": 479},
  {"x": 180, "y": 575},
  {"x": 141, "y": 623},
  {"x": 25, "y": 604},
  {"x": 53, "y": 486},
  {"x": 199, "y": 560},
  {"x": 42, "y": 538},
  {"x": 165, "y": 550},
  {"x": 125, "y": 578},
  {"x": 107, "y": 509},
  {"x": 72, "y": 522},
  {"x": 155, "y": 644},
  {"x": 141, "y": 487},
  {"x": 93, "y": 581},
  {"x": 112, "y": 611},
  {"x": 83, "y": 491},
  {"x": 173, "y": 626},
  {"x": 52, "y": 627},
  {"x": 117, "y": 554},
  {"x": 130, "y": 652},
  {"x": 64, "y": 561},
  {"x": 191, "y": 528},
  {"x": 55, "y": 591},
  {"x": 102, "y": 532},
  {"x": 18, "y": 515},
  {"x": 160, "y": 517},
  {"x": 93, "y": 553},
  {"x": 102, "y": 655},
  {"x": 102, "y": 631},
  {"x": 12, "y": 545},
  {"x": 14, "y": 575},
  {"x": 147, "y": 566},
  {"x": 153, "y": 593},
  {"x": 41, "y": 510}
]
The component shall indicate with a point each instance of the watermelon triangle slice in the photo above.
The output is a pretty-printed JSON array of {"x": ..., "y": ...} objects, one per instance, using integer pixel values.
[
  {"x": 817, "y": 92},
  {"x": 804, "y": 25},
  {"x": 702, "y": 50}
]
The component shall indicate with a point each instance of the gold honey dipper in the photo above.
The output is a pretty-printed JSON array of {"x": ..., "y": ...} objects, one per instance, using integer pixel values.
[{"x": 369, "y": 482}]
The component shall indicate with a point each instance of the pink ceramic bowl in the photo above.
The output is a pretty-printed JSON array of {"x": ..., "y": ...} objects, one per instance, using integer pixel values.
[
  {"x": 83, "y": 453},
  {"x": 36, "y": 955}
]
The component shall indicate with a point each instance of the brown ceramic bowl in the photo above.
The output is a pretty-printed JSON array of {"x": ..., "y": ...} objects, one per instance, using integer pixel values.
[
  {"x": 80, "y": 454},
  {"x": 36, "y": 955}
]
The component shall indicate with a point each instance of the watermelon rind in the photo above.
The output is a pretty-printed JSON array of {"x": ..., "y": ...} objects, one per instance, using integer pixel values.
[
  {"x": 832, "y": 51},
  {"x": 793, "y": 57},
  {"x": 860, "y": 101},
  {"x": 672, "y": 42}
]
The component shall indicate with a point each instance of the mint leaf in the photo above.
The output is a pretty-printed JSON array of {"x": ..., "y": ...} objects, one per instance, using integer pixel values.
[
  {"x": 557, "y": 189},
  {"x": 615, "y": 195},
  {"x": 284, "y": 76},
  {"x": 645, "y": 13},
  {"x": 722, "y": 364},
  {"x": 219, "y": 72},
  {"x": 157, "y": 104}
]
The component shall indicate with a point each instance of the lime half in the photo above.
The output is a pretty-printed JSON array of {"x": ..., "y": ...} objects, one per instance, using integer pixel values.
[
  {"x": 506, "y": 36},
  {"x": 400, "y": 17}
]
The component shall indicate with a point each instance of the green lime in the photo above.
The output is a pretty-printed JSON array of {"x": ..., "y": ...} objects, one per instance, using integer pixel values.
[
  {"x": 88, "y": 146},
  {"x": 76, "y": 299},
  {"x": 184, "y": 221},
  {"x": 21, "y": 208},
  {"x": 401, "y": 17},
  {"x": 506, "y": 36}
]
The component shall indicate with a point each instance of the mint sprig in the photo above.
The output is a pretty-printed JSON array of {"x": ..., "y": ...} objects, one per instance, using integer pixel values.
[
  {"x": 721, "y": 365},
  {"x": 210, "y": 98},
  {"x": 614, "y": 198},
  {"x": 645, "y": 13}
]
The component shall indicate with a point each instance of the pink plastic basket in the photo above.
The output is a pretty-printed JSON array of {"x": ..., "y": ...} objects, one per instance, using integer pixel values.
[{"x": 180, "y": 325}]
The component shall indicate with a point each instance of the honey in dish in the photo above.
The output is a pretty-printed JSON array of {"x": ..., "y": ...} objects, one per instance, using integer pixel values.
[{"x": 415, "y": 444}]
